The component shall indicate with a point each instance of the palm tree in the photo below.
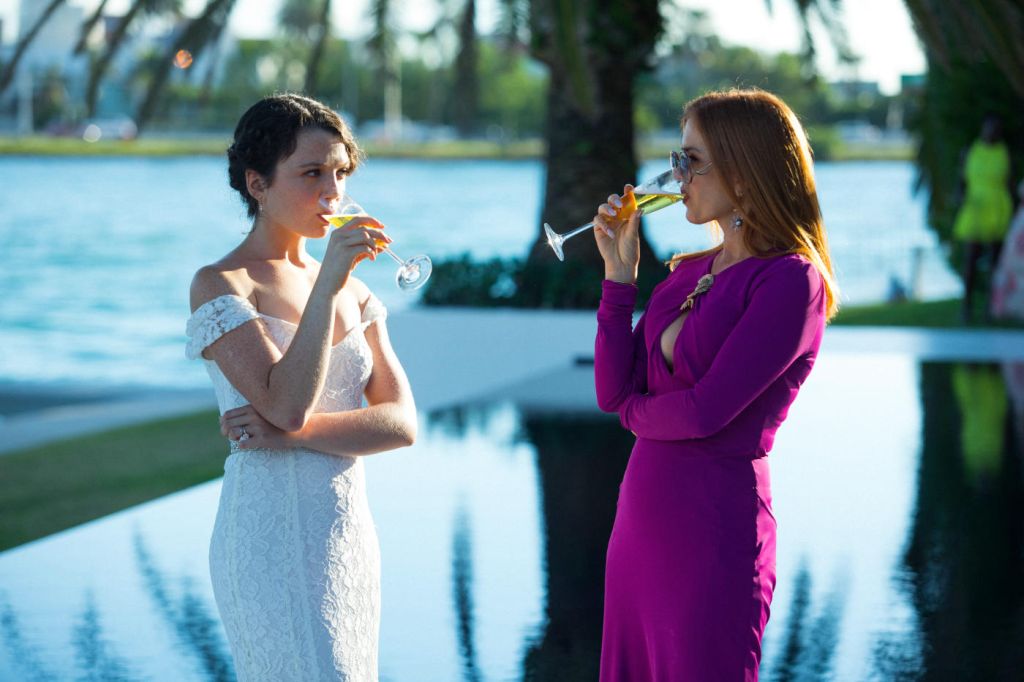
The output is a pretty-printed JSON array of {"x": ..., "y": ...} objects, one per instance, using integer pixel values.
[
  {"x": 828, "y": 13},
  {"x": 88, "y": 25},
  {"x": 197, "y": 35},
  {"x": 975, "y": 52},
  {"x": 100, "y": 67},
  {"x": 384, "y": 48},
  {"x": 973, "y": 31},
  {"x": 309, "y": 20},
  {"x": 12, "y": 66},
  {"x": 467, "y": 87},
  {"x": 593, "y": 50},
  {"x": 456, "y": 23}
]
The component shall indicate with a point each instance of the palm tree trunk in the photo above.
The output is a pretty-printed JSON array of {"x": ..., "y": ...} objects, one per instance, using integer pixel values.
[
  {"x": 26, "y": 40},
  {"x": 383, "y": 46},
  {"x": 100, "y": 66},
  {"x": 317, "y": 53},
  {"x": 200, "y": 32},
  {"x": 589, "y": 133},
  {"x": 466, "y": 83},
  {"x": 88, "y": 26}
]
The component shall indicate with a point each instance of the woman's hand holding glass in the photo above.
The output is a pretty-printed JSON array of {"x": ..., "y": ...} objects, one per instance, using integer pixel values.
[
  {"x": 412, "y": 273},
  {"x": 617, "y": 231},
  {"x": 362, "y": 238}
]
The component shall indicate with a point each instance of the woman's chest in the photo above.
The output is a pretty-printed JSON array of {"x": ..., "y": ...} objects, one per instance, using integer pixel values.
[
  {"x": 285, "y": 295},
  {"x": 683, "y": 343}
]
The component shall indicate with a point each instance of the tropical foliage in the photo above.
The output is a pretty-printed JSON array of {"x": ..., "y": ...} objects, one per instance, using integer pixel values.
[{"x": 975, "y": 53}]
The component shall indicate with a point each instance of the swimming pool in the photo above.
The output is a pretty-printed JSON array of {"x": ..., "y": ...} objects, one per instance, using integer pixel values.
[{"x": 897, "y": 486}]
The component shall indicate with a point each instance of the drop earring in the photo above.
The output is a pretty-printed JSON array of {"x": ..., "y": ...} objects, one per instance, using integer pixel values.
[{"x": 737, "y": 222}]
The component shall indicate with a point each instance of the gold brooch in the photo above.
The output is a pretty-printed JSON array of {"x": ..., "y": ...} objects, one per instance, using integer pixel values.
[{"x": 703, "y": 285}]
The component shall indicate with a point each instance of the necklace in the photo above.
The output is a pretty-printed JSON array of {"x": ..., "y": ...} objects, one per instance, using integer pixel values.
[{"x": 703, "y": 286}]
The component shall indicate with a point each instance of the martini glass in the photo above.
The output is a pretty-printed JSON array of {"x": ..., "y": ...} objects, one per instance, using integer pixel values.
[
  {"x": 653, "y": 195},
  {"x": 412, "y": 272}
]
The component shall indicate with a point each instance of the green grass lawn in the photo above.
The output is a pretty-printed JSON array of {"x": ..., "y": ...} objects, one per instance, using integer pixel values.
[
  {"x": 214, "y": 145},
  {"x": 944, "y": 314},
  {"x": 60, "y": 485}
]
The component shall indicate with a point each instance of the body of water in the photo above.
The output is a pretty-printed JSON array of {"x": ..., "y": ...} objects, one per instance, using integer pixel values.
[
  {"x": 99, "y": 253},
  {"x": 897, "y": 486}
]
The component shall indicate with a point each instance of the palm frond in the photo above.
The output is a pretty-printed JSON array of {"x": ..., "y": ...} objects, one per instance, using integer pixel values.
[
  {"x": 200, "y": 32},
  {"x": 973, "y": 31}
]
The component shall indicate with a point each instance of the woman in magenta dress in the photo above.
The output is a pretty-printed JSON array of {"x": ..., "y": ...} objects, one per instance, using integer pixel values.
[{"x": 704, "y": 381}]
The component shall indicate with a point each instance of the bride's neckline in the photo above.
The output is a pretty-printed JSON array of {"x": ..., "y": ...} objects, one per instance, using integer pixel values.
[{"x": 348, "y": 332}]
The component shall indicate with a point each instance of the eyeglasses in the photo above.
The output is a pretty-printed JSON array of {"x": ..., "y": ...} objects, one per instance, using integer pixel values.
[{"x": 683, "y": 170}]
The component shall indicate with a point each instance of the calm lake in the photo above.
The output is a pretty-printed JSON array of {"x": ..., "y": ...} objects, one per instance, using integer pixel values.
[{"x": 99, "y": 252}]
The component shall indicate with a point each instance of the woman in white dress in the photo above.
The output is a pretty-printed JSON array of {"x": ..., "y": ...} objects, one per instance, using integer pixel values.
[{"x": 293, "y": 346}]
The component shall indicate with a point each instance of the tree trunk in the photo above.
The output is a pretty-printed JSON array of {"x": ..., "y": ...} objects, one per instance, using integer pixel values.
[
  {"x": 317, "y": 53},
  {"x": 200, "y": 32},
  {"x": 594, "y": 51},
  {"x": 466, "y": 84},
  {"x": 100, "y": 66},
  {"x": 88, "y": 26},
  {"x": 26, "y": 40}
]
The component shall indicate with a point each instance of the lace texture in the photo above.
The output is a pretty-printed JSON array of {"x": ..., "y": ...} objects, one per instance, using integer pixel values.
[{"x": 294, "y": 557}]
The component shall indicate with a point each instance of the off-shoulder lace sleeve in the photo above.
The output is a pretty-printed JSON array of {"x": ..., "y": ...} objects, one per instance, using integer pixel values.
[
  {"x": 215, "y": 318},
  {"x": 373, "y": 310}
]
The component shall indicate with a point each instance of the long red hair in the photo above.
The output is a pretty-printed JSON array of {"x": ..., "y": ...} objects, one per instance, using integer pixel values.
[{"x": 758, "y": 145}]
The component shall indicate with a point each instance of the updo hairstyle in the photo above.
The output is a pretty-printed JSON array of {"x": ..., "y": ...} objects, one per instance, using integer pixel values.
[{"x": 268, "y": 132}]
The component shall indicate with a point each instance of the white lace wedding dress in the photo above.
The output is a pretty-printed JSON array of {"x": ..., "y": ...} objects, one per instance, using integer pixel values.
[{"x": 294, "y": 557}]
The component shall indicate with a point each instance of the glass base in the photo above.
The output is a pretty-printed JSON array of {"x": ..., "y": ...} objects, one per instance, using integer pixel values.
[
  {"x": 414, "y": 273},
  {"x": 554, "y": 241}
]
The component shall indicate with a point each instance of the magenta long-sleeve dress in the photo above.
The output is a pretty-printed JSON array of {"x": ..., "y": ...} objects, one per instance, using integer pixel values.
[{"x": 691, "y": 558}]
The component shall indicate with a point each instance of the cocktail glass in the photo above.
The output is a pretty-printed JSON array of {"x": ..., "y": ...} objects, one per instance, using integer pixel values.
[
  {"x": 412, "y": 272},
  {"x": 653, "y": 195}
]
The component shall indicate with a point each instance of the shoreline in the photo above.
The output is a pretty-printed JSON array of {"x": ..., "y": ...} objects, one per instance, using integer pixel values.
[
  {"x": 71, "y": 463},
  {"x": 34, "y": 415},
  {"x": 529, "y": 149}
]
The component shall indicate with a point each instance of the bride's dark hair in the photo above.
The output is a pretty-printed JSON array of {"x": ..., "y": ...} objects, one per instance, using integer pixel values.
[{"x": 268, "y": 132}]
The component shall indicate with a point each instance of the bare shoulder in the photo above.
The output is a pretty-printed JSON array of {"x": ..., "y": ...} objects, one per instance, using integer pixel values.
[
  {"x": 222, "y": 278},
  {"x": 359, "y": 289}
]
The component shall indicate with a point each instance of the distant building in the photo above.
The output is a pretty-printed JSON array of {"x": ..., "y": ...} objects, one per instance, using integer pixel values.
[
  {"x": 912, "y": 82},
  {"x": 851, "y": 90},
  {"x": 53, "y": 44}
]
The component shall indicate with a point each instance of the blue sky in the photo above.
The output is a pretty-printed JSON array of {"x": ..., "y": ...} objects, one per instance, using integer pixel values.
[{"x": 880, "y": 30}]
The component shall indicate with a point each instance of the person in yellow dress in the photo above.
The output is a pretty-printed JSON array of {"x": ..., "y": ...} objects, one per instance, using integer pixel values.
[{"x": 984, "y": 217}]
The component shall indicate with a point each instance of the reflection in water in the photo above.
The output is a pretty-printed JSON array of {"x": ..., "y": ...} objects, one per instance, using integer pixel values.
[
  {"x": 1013, "y": 375},
  {"x": 95, "y": 659},
  {"x": 580, "y": 460},
  {"x": 190, "y": 619},
  {"x": 964, "y": 560},
  {"x": 810, "y": 648},
  {"x": 981, "y": 394},
  {"x": 462, "y": 594},
  {"x": 22, "y": 653},
  {"x": 93, "y": 653}
]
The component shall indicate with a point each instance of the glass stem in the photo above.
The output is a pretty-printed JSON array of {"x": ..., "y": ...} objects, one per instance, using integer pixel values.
[
  {"x": 572, "y": 233},
  {"x": 392, "y": 254}
]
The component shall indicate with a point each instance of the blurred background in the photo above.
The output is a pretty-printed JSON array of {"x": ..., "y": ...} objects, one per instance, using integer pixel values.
[{"x": 898, "y": 478}]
